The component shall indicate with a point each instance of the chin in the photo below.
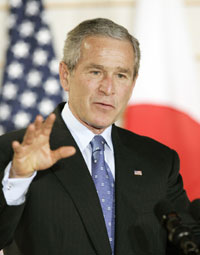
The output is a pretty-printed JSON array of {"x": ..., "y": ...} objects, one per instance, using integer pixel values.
[
  {"x": 99, "y": 121},
  {"x": 101, "y": 125}
]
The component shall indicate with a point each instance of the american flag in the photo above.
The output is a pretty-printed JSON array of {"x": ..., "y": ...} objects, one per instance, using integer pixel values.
[{"x": 30, "y": 81}]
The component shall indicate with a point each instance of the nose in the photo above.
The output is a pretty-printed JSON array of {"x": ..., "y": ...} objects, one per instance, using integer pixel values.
[{"x": 107, "y": 86}]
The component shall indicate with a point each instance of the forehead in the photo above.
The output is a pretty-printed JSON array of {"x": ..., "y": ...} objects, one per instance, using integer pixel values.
[
  {"x": 107, "y": 49},
  {"x": 99, "y": 42}
]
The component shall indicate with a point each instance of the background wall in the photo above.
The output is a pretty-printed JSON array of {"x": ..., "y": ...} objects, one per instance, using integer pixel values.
[{"x": 65, "y": 14}]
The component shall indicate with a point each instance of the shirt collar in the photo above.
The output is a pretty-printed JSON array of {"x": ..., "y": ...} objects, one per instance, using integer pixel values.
[{"x": 81, "y": 133}]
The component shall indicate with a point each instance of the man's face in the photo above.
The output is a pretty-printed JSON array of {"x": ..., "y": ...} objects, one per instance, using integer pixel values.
[{"x": 101, "y": 83}]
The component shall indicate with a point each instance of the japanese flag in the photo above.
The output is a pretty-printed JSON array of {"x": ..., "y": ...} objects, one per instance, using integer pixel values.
[{"x": 166, "y": 100}]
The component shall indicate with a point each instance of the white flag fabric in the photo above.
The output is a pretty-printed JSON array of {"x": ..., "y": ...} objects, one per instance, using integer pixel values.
[{"x": 166, "y": 100}]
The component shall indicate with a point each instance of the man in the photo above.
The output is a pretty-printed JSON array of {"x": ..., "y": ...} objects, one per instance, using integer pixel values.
[{"x": 51, "y": 201}]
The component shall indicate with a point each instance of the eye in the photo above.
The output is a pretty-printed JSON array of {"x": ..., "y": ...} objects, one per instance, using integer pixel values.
[
  {"x": 95, "y": 72},
  {"x": 121, "y": 76}
]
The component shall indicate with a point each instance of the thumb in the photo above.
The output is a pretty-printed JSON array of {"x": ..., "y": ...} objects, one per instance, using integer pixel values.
[{"x": 63, "y": 152}]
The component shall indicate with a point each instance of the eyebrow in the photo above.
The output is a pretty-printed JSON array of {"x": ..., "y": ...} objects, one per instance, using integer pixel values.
[
  {"x": 94, "y": 66},
  {"x": 124, "y": 70},
  {"x": 101, "y": 67}
]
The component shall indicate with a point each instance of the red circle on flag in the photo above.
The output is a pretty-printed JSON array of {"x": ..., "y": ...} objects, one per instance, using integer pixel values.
[{"x": 176, "y": 130}]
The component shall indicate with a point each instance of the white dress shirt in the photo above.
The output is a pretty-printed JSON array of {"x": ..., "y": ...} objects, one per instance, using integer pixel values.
[{"x": 15, "y": 189}]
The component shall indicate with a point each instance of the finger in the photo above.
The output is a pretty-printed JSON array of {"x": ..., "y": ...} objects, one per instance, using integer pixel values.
[
  {"x": 38, "y": 124},
  {"x": 48, "y": 124},
  {"x": 16, "y": 147},
  {"x": 29, "y": 135},
  {"x": 63, "y": 152}
]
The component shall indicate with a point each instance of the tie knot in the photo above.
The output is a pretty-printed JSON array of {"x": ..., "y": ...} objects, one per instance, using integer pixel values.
[{"x": 97, "y": 143}]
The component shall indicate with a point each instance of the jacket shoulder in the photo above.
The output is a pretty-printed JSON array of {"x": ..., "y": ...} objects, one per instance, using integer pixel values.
[{"x": 144, "y": 143}]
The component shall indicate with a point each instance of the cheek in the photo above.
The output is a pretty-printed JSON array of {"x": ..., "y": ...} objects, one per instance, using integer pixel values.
[
  {"x": 86, "y": 87},
  {"x": 82, "y": 97},
  {"x": 124, "y": 95},
  {"x": 78, "y": 91}
]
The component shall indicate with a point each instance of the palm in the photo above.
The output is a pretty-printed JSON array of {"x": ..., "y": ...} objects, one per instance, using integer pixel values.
[
  {"x": 34, "y": 153},
  {"x": 36, "y": 156}
]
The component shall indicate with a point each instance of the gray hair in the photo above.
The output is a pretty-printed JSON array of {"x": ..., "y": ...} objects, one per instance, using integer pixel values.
[{"x": 97, "y": 27}]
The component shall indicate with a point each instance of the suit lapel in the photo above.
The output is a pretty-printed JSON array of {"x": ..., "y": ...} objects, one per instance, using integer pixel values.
[{"x": 74, "y": 176}]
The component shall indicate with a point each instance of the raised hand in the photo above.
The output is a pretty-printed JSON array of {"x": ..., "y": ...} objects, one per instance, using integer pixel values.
[{"x": 34, "y": 153}]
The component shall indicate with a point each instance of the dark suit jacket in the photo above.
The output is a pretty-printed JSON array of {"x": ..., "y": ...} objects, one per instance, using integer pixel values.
[{"x": 62, "y": 213}]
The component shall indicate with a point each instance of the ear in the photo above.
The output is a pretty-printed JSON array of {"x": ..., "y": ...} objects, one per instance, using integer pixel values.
[{"x": 64, "y": 75}]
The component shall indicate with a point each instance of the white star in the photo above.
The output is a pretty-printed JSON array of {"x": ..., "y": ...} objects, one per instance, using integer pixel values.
[
  {"x": 46, "y": 106},
  {"x": 28, "y": 99},
  {"x": 15, "y": 70},
  {"x": 40, "y": 57},
  {"x": 32, "y": 8},
  {"x": 43, "y": 36},
  {"x": 26, "y": 28},
  {"x": 34, "y": 78},
  {"x": 44, "y": 17},
  {"x": 9, "y": 91},
  {"x": 21, "y": 119},
  {"x": 21, "y": 49},
  {"x": 2, "y": 130},
  {"x": 15, "y": 3},
  {"x": 65, "y": 96},
  {"x": 11, "y": 20},
  {"x": 54, "y": 66},
  {"x": 5, "y": 111},
  {"x": 51, "y": 86}
]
